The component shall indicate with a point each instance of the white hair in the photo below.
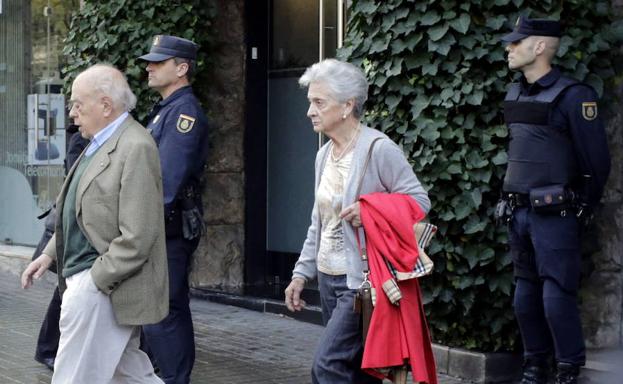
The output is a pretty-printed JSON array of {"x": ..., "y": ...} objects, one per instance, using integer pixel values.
[
  {"x": 345, "y": 81},
  {"x": 109, "y": 81}
]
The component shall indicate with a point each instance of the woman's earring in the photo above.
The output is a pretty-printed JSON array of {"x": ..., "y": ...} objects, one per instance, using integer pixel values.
[{"x": 344, "y": 117}]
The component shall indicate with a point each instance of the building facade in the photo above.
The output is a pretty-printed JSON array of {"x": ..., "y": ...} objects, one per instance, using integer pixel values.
[{"x": 258, "y": 186}]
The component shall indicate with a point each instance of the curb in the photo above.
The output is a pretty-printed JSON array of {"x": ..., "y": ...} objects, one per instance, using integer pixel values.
[
  {"x": 478, "y": 367},
  {"x": 310, "y": 314}
]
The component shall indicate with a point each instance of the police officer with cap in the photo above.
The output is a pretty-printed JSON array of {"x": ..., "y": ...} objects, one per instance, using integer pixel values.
[
  {"x": 180, "y": 129},
  {"x": 558, "y": 163}
]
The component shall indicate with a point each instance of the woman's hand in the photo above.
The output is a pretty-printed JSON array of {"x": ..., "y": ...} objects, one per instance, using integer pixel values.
[
  {"x": 293, "y": 294},
  {"x": 352, "y": 215},
  {"x": 36, "y": 269}
]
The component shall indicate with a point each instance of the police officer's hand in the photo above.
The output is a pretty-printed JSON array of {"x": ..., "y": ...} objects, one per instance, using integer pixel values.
[
  {"x": 36, "y": 269},
  {"x": 293, "y": 294},
  {"x": 585, "y": 215},
  {"x": 352, "y": 214}
]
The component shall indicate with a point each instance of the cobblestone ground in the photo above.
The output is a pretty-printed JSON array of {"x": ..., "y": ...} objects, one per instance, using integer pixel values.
[{"x": 234, "y": 345}]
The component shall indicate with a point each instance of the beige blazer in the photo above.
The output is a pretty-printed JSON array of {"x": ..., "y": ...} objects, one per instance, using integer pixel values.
[{"x": 119, "y": 208}]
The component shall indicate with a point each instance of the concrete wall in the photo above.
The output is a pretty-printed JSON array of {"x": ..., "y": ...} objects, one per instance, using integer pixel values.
[{"x": 219, "y": 261}]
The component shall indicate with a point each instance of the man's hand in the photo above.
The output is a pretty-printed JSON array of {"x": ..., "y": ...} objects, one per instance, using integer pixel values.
[
  {"x": 36, "y": 269},
  {"x": 293, "y": 294},
  {"x": 352, "y": 215}
]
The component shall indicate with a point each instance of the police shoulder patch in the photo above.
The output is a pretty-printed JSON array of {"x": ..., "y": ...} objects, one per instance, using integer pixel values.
[
  {"x": 589, "y": 110},
  {"x": 185, "y": 123}
]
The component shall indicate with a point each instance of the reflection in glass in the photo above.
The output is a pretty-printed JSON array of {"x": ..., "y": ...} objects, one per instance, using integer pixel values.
[
  {"x": 32, "y": 127},
  {"x": 294, "y": 33}
]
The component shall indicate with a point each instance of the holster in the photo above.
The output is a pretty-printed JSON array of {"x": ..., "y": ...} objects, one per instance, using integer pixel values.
[
  {"x": 186, "y": 219},
  {"x": 503, "y": 212}
]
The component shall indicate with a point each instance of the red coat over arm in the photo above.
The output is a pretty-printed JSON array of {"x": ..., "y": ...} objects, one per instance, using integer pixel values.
[{"x": 398, "y": 334}]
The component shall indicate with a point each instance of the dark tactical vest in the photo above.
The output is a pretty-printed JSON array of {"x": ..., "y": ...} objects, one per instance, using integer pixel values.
[{"x": 539, "y": 154}]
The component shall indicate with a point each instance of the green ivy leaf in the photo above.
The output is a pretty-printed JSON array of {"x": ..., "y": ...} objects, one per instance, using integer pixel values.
[
  {"x": 475, "y": 98},
  {"x": 437, "y": 32},
  {"x": 461, "y": 24},
  {"x": 430, "y": 69},
  {"x": 392, "y": 101},
  {"x": 443, "y": 46},
  {"x": 473, "y": 225},
  {"x": 596, "y": 82},
  {"x": 496, "y": 22},
  {"x": 420, "y": 103},
  {"x": 430, "y": 18},
  {"x": 380, "y": 45},
  {"x": 367, "y": 7}
]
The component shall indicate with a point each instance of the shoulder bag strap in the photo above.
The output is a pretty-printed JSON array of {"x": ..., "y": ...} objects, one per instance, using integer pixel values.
[{"x": 359, "y": 233}]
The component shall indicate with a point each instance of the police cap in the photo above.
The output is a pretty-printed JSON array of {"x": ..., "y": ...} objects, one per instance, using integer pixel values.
[
  {"x": 533, "y": 27},
  {"x": 164, "y": 47}
]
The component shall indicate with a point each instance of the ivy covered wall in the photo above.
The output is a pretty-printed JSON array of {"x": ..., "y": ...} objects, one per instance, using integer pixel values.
[{"x": 438, "y": 75}]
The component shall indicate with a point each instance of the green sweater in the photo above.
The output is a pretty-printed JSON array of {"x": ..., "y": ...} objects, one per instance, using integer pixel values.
[{"x": 78, "y": 254}]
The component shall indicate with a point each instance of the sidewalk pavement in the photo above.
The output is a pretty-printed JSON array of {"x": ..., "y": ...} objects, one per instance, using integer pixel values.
[{"x": 234, "y": 345}]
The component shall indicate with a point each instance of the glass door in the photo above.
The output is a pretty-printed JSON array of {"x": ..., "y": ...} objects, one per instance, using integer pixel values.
[{"x": 300, "y": 33}]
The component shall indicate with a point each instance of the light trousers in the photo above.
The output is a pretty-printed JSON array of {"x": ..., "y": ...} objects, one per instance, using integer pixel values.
[{"x": 94, "y": 348}]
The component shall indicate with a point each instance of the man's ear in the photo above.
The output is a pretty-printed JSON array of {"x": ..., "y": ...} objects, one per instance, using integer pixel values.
[
  {"x": 108, "y": 105},
  {"x": 182, "y": 69},
  {"x": 540, "y": 47}
]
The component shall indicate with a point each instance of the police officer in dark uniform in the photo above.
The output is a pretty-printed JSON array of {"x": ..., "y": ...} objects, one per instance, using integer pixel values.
[
  {"x": 180, "y": 129},
  {"x": 558, "y": 163}
]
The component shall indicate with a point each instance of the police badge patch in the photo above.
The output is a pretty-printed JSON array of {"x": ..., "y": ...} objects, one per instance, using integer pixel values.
[
  {"x": 185, "y": 123},
  {"x": 589, "y": 110}
]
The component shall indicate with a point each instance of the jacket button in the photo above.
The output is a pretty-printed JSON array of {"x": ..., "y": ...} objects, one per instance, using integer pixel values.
[{"x": 111, "y": 287}]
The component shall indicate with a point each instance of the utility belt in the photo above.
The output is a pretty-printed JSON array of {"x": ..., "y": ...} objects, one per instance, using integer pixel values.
[{"x": 548, "y": 200}]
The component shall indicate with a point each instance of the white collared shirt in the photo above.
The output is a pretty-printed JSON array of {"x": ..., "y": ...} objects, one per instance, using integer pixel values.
[{"x": 100, "y": 137}]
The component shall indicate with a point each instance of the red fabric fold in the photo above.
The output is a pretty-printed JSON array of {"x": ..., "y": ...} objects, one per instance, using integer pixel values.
[{"x": 398, "y": 334}]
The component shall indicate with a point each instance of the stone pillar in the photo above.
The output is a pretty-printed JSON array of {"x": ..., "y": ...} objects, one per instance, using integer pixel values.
[
  {"x": 602, "y": 292},
  {"x": 219, "y": 260}
]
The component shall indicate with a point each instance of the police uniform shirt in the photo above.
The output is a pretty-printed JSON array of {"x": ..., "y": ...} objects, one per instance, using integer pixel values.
[
  {"x": 180, "y": 129},
  {"x": 576, "y": 113}
]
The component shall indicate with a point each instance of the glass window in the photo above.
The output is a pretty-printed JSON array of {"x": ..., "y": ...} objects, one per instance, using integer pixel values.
[
  {"x": 294, "y": 34},
  {"x": 33, "y": 115}
]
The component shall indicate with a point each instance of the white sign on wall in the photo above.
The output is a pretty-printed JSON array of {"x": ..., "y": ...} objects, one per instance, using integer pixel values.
[{"x": 46, "y": 129}]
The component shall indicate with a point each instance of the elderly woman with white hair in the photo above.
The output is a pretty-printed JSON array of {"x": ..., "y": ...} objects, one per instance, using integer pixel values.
[{"x": 337, "y": 92}]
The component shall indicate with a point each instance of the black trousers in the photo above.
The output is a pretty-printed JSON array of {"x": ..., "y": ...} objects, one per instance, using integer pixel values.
[
  {"x": 171, "y": 342},
  {"x": 49, "y": 334}
]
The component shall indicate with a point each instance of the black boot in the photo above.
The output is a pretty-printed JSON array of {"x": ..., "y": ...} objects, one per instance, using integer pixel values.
[
  {"x": 567, "y": 373},
  {"x": 534, "y": 373}
]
